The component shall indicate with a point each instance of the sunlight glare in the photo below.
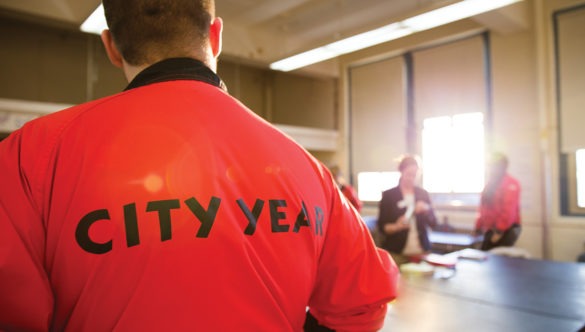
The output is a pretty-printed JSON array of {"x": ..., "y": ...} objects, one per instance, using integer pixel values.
[
  {"x": 453, "y": 153},
  {"x": 372, "y": 184}
]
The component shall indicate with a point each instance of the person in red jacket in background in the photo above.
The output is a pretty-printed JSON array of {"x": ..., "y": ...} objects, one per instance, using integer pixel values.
[
  {"x": 346, "y": 189},
  {"x": 499, "y": 210},
  {"x": 172, "y": 207}
]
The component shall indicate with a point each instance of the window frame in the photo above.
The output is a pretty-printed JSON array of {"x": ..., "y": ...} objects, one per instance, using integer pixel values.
[{"x": 568, "y": 197}]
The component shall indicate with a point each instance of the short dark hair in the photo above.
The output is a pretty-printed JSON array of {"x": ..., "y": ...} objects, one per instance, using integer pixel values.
[{"x": 146, "y": 31}]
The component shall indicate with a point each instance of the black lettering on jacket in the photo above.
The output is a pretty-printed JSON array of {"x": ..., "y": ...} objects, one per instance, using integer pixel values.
[
  {"x": 206, "y": 216},
  {"x": 82, "y": 232},
  {"x": 251, "y": 216}
]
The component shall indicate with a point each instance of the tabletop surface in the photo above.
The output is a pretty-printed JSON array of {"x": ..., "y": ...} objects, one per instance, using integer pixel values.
[{"x": 498, "y": 294}]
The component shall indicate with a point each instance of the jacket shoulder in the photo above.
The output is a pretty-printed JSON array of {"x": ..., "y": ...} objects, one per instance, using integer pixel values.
[{"x": 392, "y": 192}]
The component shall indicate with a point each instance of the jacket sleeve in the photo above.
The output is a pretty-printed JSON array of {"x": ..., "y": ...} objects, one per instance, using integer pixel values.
[
  {"x": 387, "y": 213},
  {"x": 26, "y": 299},
  {"x": 355, "y": 280},
  {"x": 429, "y": 216},
  {"x": 350, "y": 193},
  {"x": 509, "y": 202},
  {"x": 504, "y": 212}
]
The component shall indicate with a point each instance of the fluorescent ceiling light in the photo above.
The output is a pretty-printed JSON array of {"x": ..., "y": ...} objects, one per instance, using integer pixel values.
[
  {"x": 96, "y": 22},
  {"x": 454, "y": 12},
  {"x": 425, "y": 21},
  {"x": 347, "y": 45}
]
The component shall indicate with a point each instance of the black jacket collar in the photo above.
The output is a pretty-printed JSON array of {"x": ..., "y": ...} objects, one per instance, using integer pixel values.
[{"x": 176, "y": 69}]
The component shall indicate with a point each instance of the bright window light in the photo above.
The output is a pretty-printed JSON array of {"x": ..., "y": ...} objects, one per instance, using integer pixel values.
[
  {"x": 372, "y": 184},
  {"x": 453, "y": 153},
  {"x": 580, "y": 157}
]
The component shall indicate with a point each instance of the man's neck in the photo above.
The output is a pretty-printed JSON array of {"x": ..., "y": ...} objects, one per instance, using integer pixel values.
[{"x": 131, "y": 71}]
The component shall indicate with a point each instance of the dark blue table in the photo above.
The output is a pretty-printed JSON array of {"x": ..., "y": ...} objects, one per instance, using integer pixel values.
[{"x": 498, "y": 294}]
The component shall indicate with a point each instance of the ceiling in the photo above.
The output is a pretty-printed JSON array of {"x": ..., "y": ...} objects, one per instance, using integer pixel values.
[{"x": 262, "y": 31}]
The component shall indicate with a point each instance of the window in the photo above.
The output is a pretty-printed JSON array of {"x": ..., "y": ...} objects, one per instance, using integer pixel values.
[
  {"x": 453, "y": 153},
  {"x": 372, "y": 184},
  {"x": 573, "y": 183},
  {"x": 569, "y": 36},
  {"x": 580, "y": 164}
]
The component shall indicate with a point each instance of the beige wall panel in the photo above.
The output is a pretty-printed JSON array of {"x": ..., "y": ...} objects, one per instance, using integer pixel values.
[
  {"x": 228, "y": 71},
  {"x": 253, "y": 88},
  {"x": 304, "y": 101},
  {"x": 248, "y": 84},
  {"x": 106, "y": 79},
  {"x": 19, "y": 60},
  {"x": 63, "y": 68},
  {"x": 378, "y": 115},
  {"x": 449, "y": 79},
  {"x": 531, "y": 240},
  {"x": 52, "y": 65},
  {"x": 568, "y": 243}
]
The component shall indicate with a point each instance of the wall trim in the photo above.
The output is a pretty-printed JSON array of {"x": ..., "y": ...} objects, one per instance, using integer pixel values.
[
  {"x": 15, "y": 113},
  {"x": 312, "y": 138}
]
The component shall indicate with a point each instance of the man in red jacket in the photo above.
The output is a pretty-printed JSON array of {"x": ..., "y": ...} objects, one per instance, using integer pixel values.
[
  {"x": 499, "y": 210},
  {"x": 170, "y": 206}
]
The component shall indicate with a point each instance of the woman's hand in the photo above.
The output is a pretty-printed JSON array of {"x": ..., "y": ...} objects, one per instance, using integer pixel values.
[
  {"x": 400, "y": 225},
  {"x": 421, "y": 207},
  {"x": 495, "y": 237}
]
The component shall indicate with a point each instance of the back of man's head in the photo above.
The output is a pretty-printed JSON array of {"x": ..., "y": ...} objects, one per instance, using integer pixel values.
[{"x": 147, "y": 31}]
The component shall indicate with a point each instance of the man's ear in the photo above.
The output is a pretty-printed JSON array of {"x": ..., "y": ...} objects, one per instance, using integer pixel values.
[
  {"x": 111, "y": 49},
  {"x": 215, "y": 38}
]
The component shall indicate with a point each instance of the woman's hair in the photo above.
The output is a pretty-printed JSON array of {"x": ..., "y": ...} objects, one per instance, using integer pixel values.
[
  {"x": 497, "y": 166},
  {"x": 147, "y": 31},
  {"x": 499, "y": 161},
  {"x": 408, "y": 160},
  {"x": 335, "y": 170}
]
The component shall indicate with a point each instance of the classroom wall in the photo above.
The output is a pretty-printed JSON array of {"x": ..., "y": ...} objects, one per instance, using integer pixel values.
[
  {"x": 51, "y": 64},
  {"x": 523, "y": 114}
]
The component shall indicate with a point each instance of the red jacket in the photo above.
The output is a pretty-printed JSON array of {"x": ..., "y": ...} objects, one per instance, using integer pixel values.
[
  {"x": 504, "y": 211},
  {"x": 172, "y": 207},
  {"x": 349, "y": 192}
]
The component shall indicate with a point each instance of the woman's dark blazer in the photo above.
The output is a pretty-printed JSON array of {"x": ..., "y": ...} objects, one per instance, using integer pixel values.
[{"x": 389, "y": 212}]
